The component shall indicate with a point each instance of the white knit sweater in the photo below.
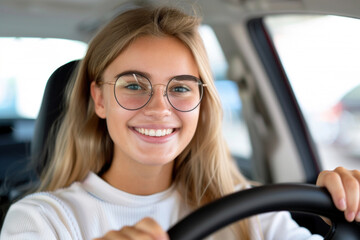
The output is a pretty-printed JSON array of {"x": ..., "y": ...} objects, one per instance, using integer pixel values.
[{"x": 89, "y": 209}]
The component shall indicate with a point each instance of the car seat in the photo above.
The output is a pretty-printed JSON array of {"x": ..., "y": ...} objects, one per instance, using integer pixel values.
[
  {"x": 51, "y": 109},
  {"x": 50, "y": 112}
]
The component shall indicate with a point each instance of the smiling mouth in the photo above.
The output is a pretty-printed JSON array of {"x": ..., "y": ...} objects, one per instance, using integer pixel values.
[{"x": 155, "y": 132}]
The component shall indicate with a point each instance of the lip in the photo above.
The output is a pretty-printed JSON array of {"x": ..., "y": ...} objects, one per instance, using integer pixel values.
[{"x": 155, "y": 139}]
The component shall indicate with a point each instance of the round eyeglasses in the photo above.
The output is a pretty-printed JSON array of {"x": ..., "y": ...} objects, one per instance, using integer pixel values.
[{"x": 133, "y": 91}]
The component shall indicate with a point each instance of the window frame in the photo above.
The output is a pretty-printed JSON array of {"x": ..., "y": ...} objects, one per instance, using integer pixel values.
[{"x": 294, "y": 118}]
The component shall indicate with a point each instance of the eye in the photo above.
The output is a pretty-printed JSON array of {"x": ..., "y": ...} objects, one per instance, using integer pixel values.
[
  {"x": 183, "y": 86},
  {"x": 129, "y": 85},
  {"x": 180, "y": 89},
  {"x": 133, "y": 83},
  {"x": 133, "y": 86}
]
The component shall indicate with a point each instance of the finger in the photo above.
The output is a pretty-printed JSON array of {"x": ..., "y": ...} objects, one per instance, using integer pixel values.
[
  {"x": 135, "y": 233},
  {"x": 333, "y": 183},
  {"x": 150, "y": 226},
  {"x": 127, "y": 233},
  {"x": 356, "y": 175},
  {"x": 118, "y": 235},
  {"x": 351, "y": 186}
]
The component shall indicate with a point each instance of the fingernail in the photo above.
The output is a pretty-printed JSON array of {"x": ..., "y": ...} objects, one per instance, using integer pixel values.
[
  {"x": 342, "y": 204},
  {"x": 350, "y": 216},
  {"x": 358, "y": 217}
]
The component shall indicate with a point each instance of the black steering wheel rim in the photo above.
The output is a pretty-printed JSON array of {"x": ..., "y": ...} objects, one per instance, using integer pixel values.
[{"x": 277, "y": 197}]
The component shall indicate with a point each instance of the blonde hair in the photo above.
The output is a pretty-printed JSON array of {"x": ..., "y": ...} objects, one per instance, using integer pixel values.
[{"x": 204, "y": 171}]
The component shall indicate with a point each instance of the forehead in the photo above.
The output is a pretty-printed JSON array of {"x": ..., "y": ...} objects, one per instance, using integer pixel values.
[{"x": 160, "y": 57}]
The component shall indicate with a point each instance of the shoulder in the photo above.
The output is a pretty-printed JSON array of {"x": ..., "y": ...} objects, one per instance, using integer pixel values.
[
  {"x": 43, "y": 215},
  {"x": 38, "y": 216},
  {"x": 46, "y": 202},
  {"x": 61, "y": 199}
]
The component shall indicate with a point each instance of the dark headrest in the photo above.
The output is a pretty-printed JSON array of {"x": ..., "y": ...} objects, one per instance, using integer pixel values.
[{"x": 52, "y": 105}]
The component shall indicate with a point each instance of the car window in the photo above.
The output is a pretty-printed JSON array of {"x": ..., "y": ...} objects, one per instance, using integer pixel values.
[
  {"x": 320, "y": 57},
  {"x": 26, "y": 64},
  {"x": 234, "y": 127}
]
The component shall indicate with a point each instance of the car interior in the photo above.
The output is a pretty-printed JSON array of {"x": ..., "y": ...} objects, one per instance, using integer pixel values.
[{"x": 273, "y": 134}]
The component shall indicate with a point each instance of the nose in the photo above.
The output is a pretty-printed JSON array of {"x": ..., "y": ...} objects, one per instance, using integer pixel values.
[{"x": 158, "y": 105}]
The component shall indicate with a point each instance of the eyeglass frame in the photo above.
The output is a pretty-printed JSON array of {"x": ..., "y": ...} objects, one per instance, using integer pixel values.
[{"x": 152, "y": 89}]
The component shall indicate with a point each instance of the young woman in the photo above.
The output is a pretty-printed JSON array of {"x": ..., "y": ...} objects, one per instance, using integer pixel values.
[{"x": 141, "y": 145}]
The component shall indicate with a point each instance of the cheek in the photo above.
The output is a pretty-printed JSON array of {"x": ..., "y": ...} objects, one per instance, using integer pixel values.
[
  {"x": 190, "y": 121},
  {"x": 115, "y": 114},
  {"x": 116, "y": 119}
]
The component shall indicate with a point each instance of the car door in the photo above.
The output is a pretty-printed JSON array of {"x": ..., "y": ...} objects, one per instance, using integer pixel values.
[{"x": 294, "y": 62}]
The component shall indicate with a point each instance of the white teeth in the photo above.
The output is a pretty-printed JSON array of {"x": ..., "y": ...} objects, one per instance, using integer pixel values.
[
  {"x": 154, "y": 132},
  {"x": 159, "y": 133}
]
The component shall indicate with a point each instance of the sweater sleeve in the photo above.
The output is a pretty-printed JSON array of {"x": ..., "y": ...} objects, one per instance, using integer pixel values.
[
  {"x": 280, "y": 225},
  {"x": 31, "y": 219}
]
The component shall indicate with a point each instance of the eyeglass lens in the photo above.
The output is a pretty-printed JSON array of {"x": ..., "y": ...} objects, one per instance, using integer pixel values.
[{"x": 133, "y": 91}]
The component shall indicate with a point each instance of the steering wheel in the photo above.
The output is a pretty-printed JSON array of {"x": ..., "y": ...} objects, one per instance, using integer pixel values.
[{"x": 277, "y": 197}]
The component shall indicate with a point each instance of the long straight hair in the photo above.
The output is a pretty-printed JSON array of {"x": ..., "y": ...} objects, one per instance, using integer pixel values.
[{"x": 203, "y": 172}]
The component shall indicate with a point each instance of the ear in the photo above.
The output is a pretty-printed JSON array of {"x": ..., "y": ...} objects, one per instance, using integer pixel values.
[{"x": 98, "y": 98}]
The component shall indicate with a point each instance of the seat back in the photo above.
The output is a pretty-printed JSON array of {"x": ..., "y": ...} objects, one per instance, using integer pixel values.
[
  {"x": 52, "y": 106},
  {"x": 51, "y": 110}
]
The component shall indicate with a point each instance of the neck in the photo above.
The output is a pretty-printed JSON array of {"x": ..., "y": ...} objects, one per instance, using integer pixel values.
[{"x": 139, "y": 179}]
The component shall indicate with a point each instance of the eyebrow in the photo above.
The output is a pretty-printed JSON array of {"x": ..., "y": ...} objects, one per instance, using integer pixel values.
[
  {"x": 148, "y": 75},
  {"x": 141, "y": 73}
]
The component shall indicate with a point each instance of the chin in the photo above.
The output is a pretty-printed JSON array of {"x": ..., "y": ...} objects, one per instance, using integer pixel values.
[{"x": 155, "y": 160}]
